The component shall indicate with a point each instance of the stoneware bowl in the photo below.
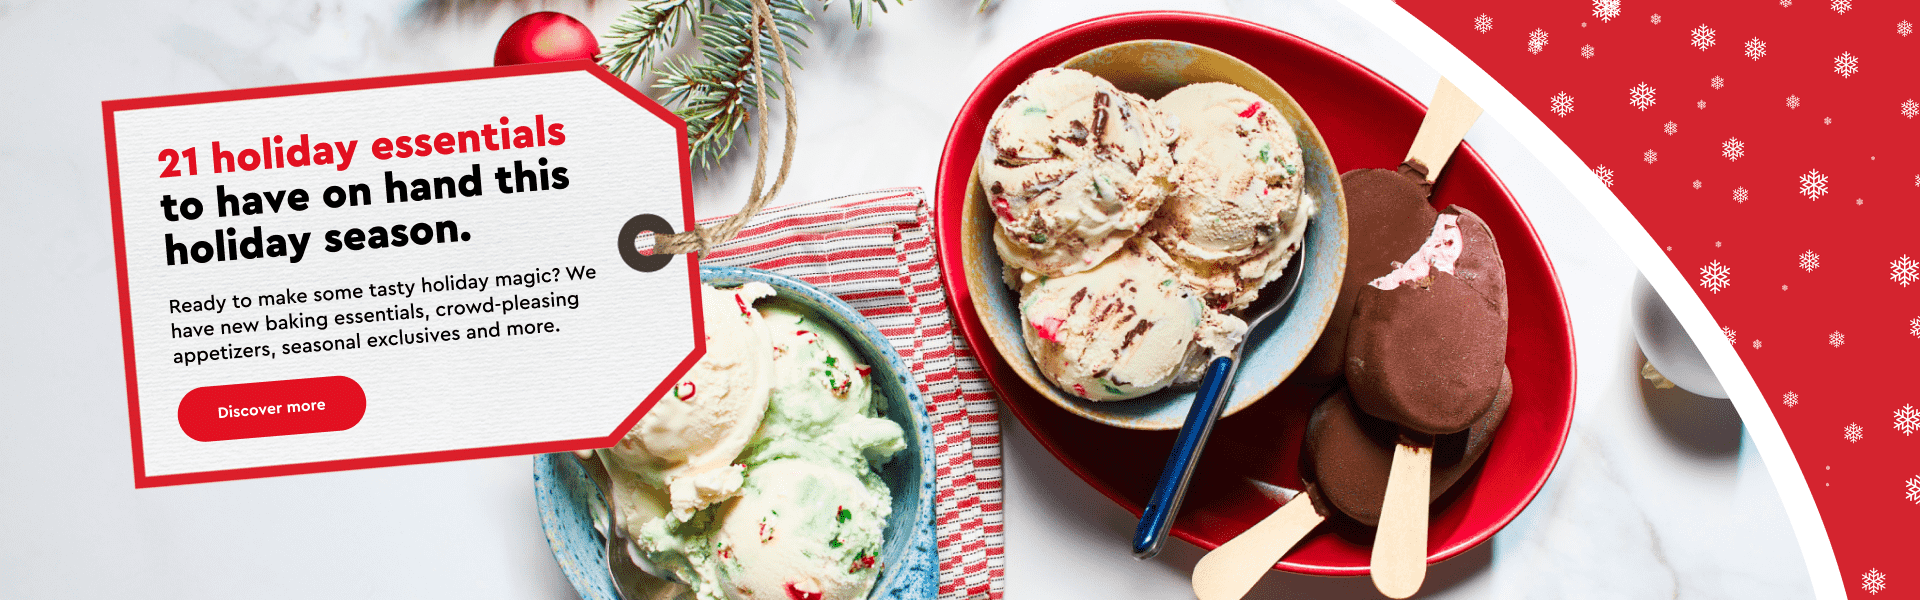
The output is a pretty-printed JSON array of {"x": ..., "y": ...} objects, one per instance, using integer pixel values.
[
  {"x": 566, "y": 496},
  {"x": 1152, "y": 68}
]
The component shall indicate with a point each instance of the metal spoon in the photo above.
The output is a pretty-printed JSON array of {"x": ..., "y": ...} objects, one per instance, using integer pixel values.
[
  {"x": 630, "y": 581},
  {"x": 1157, "y": 518}
]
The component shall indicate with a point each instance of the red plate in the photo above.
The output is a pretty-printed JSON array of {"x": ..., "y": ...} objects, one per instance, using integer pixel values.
[{"x": 1367, "y": 122}]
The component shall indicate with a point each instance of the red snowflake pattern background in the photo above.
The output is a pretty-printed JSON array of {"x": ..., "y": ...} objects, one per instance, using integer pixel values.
[{"x": 1769, "y": 147}]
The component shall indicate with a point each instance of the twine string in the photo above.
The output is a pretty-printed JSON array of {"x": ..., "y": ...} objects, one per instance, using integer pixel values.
[{"x": 703, "y": 239}]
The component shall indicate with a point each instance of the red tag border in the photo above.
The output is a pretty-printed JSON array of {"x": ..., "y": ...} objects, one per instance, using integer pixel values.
[{"x": 140, "y": 477}]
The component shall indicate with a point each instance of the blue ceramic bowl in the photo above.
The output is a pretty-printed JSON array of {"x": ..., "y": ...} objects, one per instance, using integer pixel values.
[
  {"x": 1152, "y": 68},
  {"x": 565, "y": 494}
]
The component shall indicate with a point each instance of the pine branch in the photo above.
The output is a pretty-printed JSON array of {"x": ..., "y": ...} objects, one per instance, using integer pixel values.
[
  {"x": 862, "y": 18},
  {"x": 718, "y": 92},
  {"x": 647, "y": 29}
]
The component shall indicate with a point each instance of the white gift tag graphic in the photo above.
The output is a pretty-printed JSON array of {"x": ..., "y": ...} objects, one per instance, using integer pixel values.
[{"x": 397, "y": 270}]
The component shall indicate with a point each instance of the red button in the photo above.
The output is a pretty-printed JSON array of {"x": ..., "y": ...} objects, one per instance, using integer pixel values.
[{"x": 271, "y": 408}]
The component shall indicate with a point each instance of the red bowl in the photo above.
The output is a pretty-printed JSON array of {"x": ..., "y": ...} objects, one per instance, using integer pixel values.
[{"x": 1367, "y": 122}]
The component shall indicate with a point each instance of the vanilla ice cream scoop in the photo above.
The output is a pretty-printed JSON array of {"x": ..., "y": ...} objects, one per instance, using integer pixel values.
[
  {"x": 687, "y": 443},
  {"x": 1236, "y": 214},
  {"x": 1072, "y": 167},
  {"x": 1127, "y": 328}
]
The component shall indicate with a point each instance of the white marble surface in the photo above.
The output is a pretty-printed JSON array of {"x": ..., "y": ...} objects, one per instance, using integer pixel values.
[{"x": 1657, "y": 494}]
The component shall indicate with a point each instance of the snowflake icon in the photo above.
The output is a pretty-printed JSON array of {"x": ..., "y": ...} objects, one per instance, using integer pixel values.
[
  {"x": 1913, "y": 327},
  {"x": 1537, "y": 40},
  {"x": 1756, "y": 48},
  {"x": 1640, "y": 96},
  {"x": 1846, "y": 64},
  {"x": 1786, "y": 3},
  {"x": 1873, "y": 581},
  {"x": 1671, "y": 128},
  {"x": 1560, "y": 104},
  {"x": 1650, "y": 156},
  {"x": 1733, "y": 149},
  {"x": 1913, "y": 489},
  {"x": 1853, "y": 432},
  {"x": 1702, "y": 37},
  {"x": 1793, "y": 101},
  {"x": 1717, "y": 82},
  {"x": 1916, "y": 181},
  {"x": 1756, "y": 344},
  {"x": 1740, "y": 195},
  {"x": 1730, "y": 333},
  {"x": 1716, "y": 277},
  {"x": 1904, "y": 28},
  {"x": 1907, "y": 420},
  {"x": 1702, "y": 105},
  {"x": 1656, "y": 18},
  {"x": 1606, "y": 175},
  {"x": 1829, "y": 120},
  {"x": 1809, "y": 261},
  {"x": 1483, "y": 23},
  {"x": 1836, "y": 339},
  {"x": 1813, "y": 185},
  {"x": 1790, "y": 399},
  {"x": 1905, "y": 270},
  {"x": 1606, "y": 10},
  {"x": 1842, "y": 6},
  {"x": 1586, "y": 51},
  {"x": 1910, "y": 109},
  {"x": 1696, "y": 185}
]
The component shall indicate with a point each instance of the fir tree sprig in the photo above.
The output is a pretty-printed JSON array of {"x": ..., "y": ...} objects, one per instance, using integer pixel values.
[
  {"x": 717, "y": 91},
  {"x": 644, "y": 31},
  {"x": 862, "y": 18}
]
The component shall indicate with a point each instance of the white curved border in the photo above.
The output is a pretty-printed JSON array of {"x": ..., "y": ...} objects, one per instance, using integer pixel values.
[{"x": 1673, "y": 286}]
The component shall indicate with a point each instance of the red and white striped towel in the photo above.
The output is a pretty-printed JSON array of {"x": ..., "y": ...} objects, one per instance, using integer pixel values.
[{"x": 876, "y": 252}]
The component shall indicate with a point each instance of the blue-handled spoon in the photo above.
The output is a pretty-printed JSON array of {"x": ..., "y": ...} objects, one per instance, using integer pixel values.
[{"x": 1157, "y": 518}]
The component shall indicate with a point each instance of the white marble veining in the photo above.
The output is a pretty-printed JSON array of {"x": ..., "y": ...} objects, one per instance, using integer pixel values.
[{"x": 1658, "y": 493}]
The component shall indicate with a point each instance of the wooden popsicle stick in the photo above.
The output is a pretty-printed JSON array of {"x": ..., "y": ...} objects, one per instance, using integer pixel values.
[
  {"x": 1399, "y": 564},
  {"x": 1400, "y": 544},
  {"x": 1230, "y": 570},
  {"x": 1448, "y": 119}
]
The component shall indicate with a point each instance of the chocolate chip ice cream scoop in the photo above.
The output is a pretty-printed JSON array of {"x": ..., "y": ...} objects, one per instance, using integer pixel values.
[{"x": 1072, "y": 167}]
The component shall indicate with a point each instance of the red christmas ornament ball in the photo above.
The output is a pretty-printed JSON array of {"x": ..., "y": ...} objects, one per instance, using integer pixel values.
[{"x": 544, "y": 37}]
